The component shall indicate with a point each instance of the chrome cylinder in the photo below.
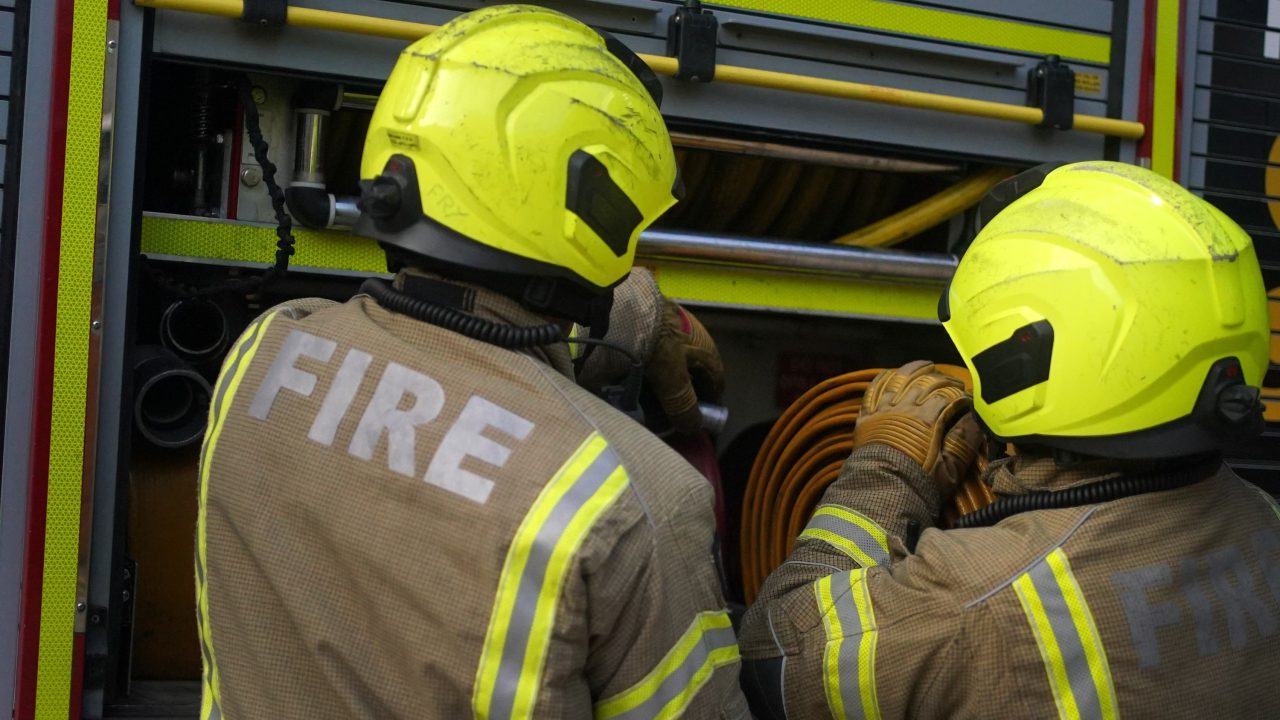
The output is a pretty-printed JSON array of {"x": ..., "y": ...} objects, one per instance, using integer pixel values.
[
  {"x": 764, "y": 254},
  {"x": 345, "y": 211},
  {"x": 308, "y": 154}
]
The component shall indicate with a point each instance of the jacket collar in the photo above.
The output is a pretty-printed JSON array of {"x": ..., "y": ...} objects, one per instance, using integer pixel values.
[
  {"x": 484, "y": 303},
  {"x": 1023, "y": 474}
]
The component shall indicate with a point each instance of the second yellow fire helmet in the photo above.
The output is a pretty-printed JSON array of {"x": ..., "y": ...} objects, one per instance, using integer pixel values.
[
  {"x": 518, "y": 143},
  {"x": 1110, "y": 312}
]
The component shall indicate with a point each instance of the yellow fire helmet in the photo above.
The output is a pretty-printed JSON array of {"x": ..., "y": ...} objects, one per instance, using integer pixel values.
[
  {"x": 520, "y": 146},
  {"x": 1107, "y": 311}
]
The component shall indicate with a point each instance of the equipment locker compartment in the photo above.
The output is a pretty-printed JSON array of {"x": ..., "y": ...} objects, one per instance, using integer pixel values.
[{"x": 831, "y": 164}]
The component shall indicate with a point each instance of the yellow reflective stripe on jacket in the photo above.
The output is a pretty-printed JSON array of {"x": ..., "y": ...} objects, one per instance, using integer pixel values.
[
  {"x": 1067, "y": 636},
  {"x": 849, "y": 663},
  {"x": 533, "y": 574},
  {"x": 850, "y": 532},
  {"x": 233, "y": 369},
  {"x": 667, "y": 690}
]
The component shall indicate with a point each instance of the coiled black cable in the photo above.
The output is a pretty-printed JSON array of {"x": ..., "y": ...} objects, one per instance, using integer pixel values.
[
  {"x": 285, "y": 241},
  {"x": 1091, "y": 494},
  {"x": 625, "y": 397},
  {"x": 499, "y": 334}
]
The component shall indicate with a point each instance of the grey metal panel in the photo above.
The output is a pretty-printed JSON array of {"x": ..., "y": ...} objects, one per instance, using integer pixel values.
[
  {"x": 1199, "y": 139},
  {"x": 1235, "y": 115},
  {"x": 1193, "y": 172},
  {"x": 6, "y": 64},
  {"x": 1082, "y": 14},
  {"x": 21, "y": 385},
  {"x": 1092, "y": 15},
  {"x": 907, "y": 56},
  {"x": 1210, "y": 10},
  {"x": 6, "y": 30},
  {"x": 6, "y": 3},
  {"x": 1191, "y": 43},
  {"x": 189, "y": 35},
  {"x": 1203, "y": 33},
  {"x": 356, "y": 56},
  {"x": 1204, "y": 72},
  {"x": 112, "y": 369},
  {"x": 1131, "y": 75},
  {"x": 919, "y": 129},
  {"x": 4, "y": 119},
  {"x": 640, "y": 17},
  {"x": 1200, "y": 108}
]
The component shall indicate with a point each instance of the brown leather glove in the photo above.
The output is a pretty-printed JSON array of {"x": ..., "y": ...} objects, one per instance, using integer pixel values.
[
  {"x": 685, "y": 367},
  {"x": 911, "y": 409},
  {"x": 960, "y": 449}
]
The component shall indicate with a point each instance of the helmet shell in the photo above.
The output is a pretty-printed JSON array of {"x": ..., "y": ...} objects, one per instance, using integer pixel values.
[
  {"x": 1145, "y": 287},
  {"x": 491, "y": 108}
]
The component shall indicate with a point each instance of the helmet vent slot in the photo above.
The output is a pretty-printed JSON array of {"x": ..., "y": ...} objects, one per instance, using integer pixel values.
[{"x": 1013, "y": 365}]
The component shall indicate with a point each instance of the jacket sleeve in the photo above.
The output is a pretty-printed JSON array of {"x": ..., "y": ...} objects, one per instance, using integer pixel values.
[
  {"x": 825, "y": 613},
  {"x": 661, "y": 642}
]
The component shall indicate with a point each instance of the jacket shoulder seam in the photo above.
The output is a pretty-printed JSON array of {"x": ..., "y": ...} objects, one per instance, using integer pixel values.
[
  {"x": 644, "y": 506},
  {"x": 1057, "y": 544}
]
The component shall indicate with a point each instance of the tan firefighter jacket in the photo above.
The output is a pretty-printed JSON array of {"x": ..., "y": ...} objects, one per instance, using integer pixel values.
[
  {"x": 397, "y": 521},
  {"x": 1161, "y": 605}
]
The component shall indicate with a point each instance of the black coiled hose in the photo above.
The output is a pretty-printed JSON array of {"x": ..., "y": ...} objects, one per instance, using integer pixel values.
[
  {"x": 1091, "y": 494},
  {"x": 504, "y": 336},
  {"x": 625, "y": 397},
  {"x": 284, "y": 224}
]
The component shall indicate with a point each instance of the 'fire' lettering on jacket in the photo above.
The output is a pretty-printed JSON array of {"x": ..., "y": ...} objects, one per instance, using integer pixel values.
[
  {"x": 1202, "y": 597},
  {"x": 403, "y": 400}
]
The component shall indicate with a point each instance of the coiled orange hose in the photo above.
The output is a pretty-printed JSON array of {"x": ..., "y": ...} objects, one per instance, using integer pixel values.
[{"x": 799, "y": 458}]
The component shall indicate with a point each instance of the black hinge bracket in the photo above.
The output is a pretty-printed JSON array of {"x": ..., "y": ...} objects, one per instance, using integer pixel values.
[
  {"x": 265, "y": 13},
  {"x": 1051, "y": 86},
  {"x": 691, "y": 39}
]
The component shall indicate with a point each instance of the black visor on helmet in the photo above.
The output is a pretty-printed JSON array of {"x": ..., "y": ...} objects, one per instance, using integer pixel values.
[
  {"x": 642, "y": 71},
  {"x": 1006, "y": 191}
]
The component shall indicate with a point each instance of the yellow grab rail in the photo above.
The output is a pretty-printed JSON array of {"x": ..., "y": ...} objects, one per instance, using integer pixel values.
[
  {"x": 663, "y": 65},
  {"x": 927, "y": 213}
]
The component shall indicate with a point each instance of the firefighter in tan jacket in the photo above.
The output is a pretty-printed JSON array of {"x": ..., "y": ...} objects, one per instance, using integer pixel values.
[
  {"x": 1116, "y": 328},
  {"x": 408, "y": 509}
]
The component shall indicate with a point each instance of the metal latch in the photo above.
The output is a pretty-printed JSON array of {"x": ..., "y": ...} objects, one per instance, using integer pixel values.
[
  {"x": 267, "y": 13},
  {"x": 691, "y": 39},
  {"x": 1051, "y": 86}
]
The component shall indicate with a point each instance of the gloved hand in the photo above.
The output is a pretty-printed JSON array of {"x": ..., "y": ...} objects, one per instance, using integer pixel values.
[
  {"x": 681, "y": 362},
  {"x": 911, "y": 409},
  {"x": 685, "y": 367},
  {"x": 960, "y": 449}
]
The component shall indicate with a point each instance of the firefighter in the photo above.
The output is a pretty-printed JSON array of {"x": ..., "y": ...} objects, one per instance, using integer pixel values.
[
  {"x": 1116, "y": 329},
  {"x": 407, "y": 507}
]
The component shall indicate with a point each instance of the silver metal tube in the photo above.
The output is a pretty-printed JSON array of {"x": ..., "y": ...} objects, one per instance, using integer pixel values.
[
  {"x": 833, "y": 158},
  {"x": 814, "y": 258},
  {"x": 714, "y": 417},
  {"x": 345, "y": 211},
  {"x": 308, "y": 156}
]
